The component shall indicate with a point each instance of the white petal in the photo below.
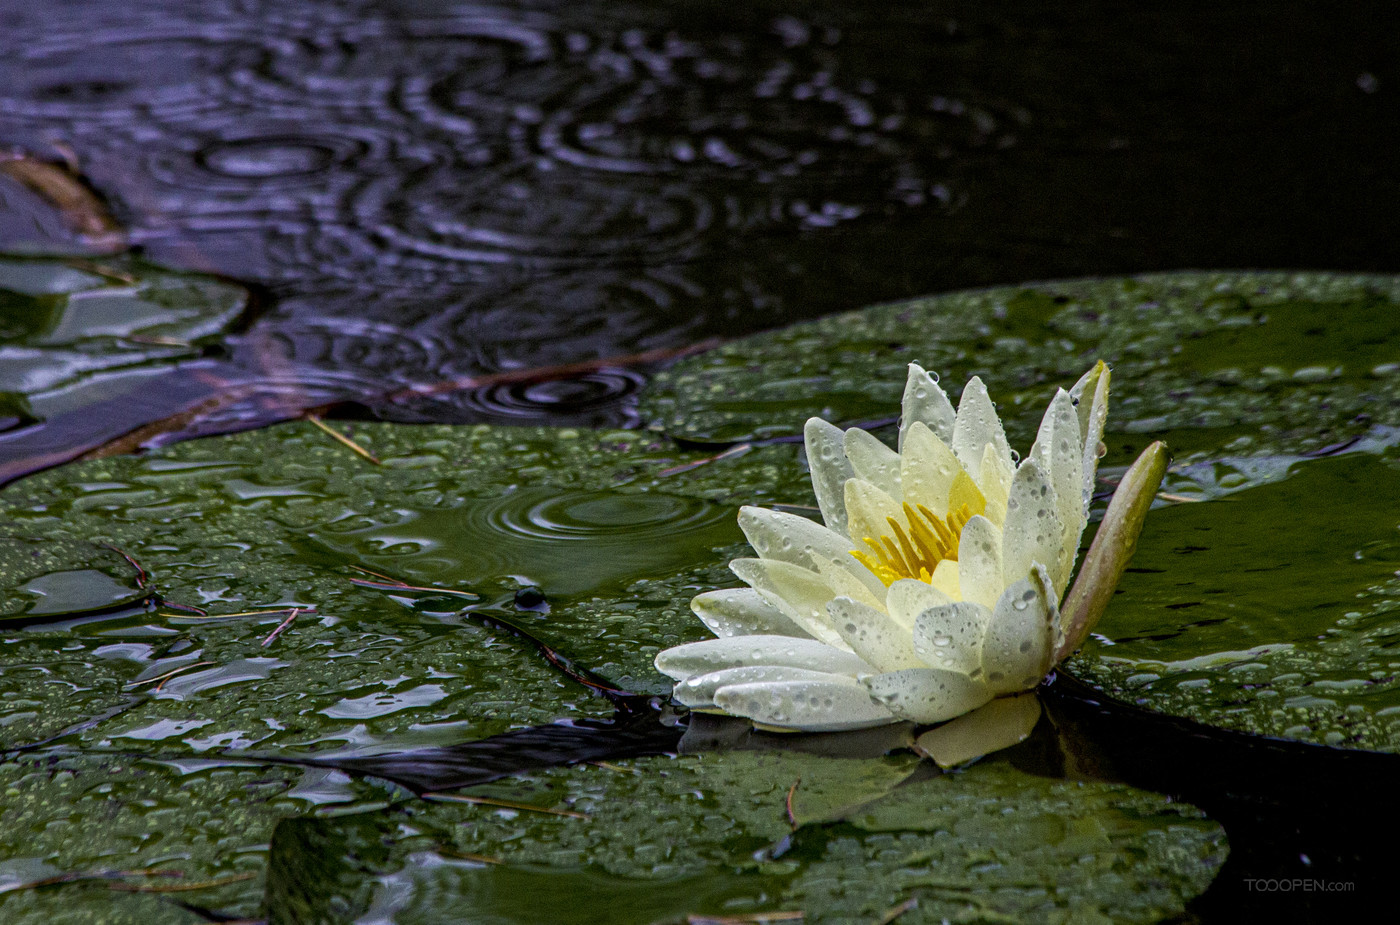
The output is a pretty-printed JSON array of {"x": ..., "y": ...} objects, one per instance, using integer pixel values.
[
  {"x": 946, "y": 581},
  {"x": 803, "y": 591},
  {"x": 826, "y": 456},
  {"x": 868, "y": 510},
  {"x": 927, "y": 469},
  {"x": 976, "y": 426},
  {"x": 1032, "y": 531},
  {"x": 743, "y": 612},
  {"x": 925, "y": 403},
  {"x": 844, "y": 584},
  {"x": 979, "y": 562},
  {"x": 873, "y": 461},
  {"x": 909, "y": 597},
  {"x": 995, "y": 484},
  {"x": 709, "y": 655},
  {"x": 873, "y": 635},
  {"x": 1059, "y": 452},
  {"x": 1020, "y": 641},
  {"x": 928, "y": 695},
  {"x": 795, "y": 539},
  {"x": 1091, "y": 395},
  {"x": 951, "y": 637},
  {"x": 810, "y": 706},
  {"x": 698, "y": 691}
]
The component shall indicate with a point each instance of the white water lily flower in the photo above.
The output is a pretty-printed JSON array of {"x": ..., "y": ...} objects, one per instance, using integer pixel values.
[{"x": 934, "y": 586}]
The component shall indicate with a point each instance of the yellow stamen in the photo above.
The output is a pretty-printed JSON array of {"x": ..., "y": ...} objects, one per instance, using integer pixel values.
[{"x": 915, "y": 551}]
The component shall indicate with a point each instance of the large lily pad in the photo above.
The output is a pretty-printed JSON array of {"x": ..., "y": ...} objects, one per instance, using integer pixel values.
[
  {"x": 1275, "y": 611},
  {"x": 709, "y": 835},
  {"x": 1204, "y": 359}
]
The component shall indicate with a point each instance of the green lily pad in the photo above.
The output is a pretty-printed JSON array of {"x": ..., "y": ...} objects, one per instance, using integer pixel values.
[
  {"x": 1275, "y": 611},
  {"x": 75, "y": 332},
  {"x": 1253, "y": 360},
  {"x": 284, "y": 518},
  {"x": 197, "y": 829},
  {"x": 42, "y": 584},
  {"x": 700, "y": 835}
]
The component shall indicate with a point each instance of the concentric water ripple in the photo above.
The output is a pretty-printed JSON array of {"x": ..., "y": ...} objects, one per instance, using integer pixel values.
[
  {"x": 569, "y": 544},
  {"x": 319, "y": 147},
  {"x": 534, "y": 185}
]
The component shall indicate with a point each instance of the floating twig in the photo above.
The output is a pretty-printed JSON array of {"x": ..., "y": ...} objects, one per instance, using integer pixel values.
[
  {"x": 84, "y": 876},
  {"x": 169, "y": 674},
  {"x": 248, "y": 613},
  {"x": 896, "y": 911},
  {"x": 102, "y": 270},
  {"x": 738, "y": 450},
  {"x": 792, "y": 791},
  {"x": 746, "y": 918},
  {"x": 180, "y": 887},
  {"x": 187, "y": 609},
  {"x": 503, "y": 804},
  {"x": 136, "y": 439},
  {"x": 142, "y": 578},
  {"x": 156, "y": 340},
  {"x": 280, "y": 627},
  {"x": 393, "y": 584},
  {"x": 609, "y": 766},
  {"x": 315, "y": 419}
]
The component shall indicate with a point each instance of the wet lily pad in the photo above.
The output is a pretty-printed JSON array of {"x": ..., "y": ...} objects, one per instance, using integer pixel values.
[
  {"x": 259, "y": 523},
  {"x": 76, "y": 336},
  {"x": 1275, "y": 611},
  {"x": 1204, "y": 359},
  {"x": 67, "y": 328},
  {"x": 42, "y": 584},
  {"x": 658, "y": 839},
  {"x": 136, "y": 833}
]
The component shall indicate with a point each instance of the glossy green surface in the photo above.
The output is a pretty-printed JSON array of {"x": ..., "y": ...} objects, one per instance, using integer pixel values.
[
  {"x": 1275, "y": 610},
  {"x": 76, "y": 332},
  {"x": 145, "y": 709},
  {"x": 1205, "y": 360},
  {"x": 709, "y": 835}
]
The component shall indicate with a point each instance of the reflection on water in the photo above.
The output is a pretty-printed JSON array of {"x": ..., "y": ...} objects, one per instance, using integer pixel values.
[{"x": 434, "y": 190}]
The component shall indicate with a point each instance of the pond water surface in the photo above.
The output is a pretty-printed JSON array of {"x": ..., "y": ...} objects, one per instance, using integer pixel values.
[{"x": 462, "y": 213}]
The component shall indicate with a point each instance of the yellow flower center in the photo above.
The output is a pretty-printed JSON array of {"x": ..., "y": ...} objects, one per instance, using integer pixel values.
[
  {"x": 916, "y": 552},
  {"x": 928, "y": 540}
]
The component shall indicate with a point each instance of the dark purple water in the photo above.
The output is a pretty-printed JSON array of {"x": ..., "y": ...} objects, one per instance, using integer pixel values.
[{"x": 430, "y": 190}]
